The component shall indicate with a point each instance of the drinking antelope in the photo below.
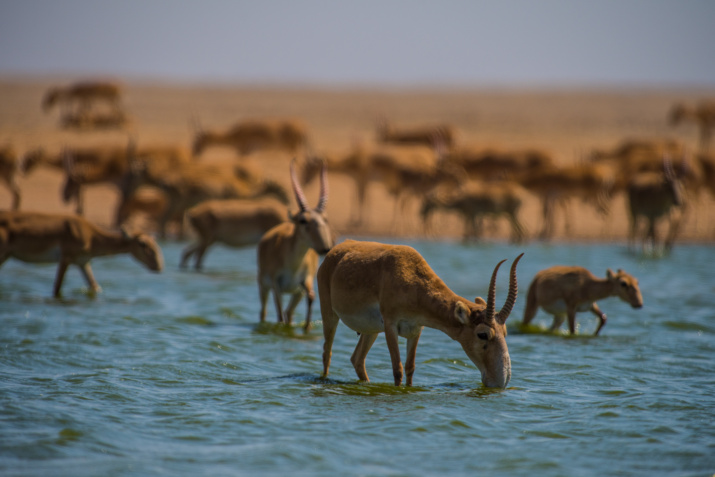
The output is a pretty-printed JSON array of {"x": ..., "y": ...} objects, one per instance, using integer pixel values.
[
  {"x": 288, "y": 253},
  {"x": 70, "y": 240},
  {"x": 233, "y": 222},
  {"x": 563, "y": 291},
  {"x": 375, "y": 288}
]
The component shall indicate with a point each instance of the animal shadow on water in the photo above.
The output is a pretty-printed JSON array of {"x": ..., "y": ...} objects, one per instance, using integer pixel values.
[{"x": 545, "y": 330}]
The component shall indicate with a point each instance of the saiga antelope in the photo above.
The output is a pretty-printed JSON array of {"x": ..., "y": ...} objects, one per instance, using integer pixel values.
[
  {"x": 84, "y": 94},
  {"x": 8, "y": 173},
  {"x": 702, "y": 115},
  {"x": 233, "y": 222},
  {"x": 563, "y": 291},
  {"x": 439, "y": 135},
  {"x": 288, "y": 253},
  {"x": 70, "y": 240},
  {"x": 375, "y": 288},
  {"x": 254, "y": 135},
  {"x": 652, "y": 196},
  {"x": 473, "y": 201}
]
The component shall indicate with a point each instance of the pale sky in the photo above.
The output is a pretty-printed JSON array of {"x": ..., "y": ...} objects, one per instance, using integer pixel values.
[{"x": 446, "y": 42}]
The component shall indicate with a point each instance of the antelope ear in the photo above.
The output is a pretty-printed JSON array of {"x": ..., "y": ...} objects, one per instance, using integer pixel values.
[
  {"x": 461, "y": 312},
  {"x": 480, "y": 301},
  {"x": 609, "y": 274}
]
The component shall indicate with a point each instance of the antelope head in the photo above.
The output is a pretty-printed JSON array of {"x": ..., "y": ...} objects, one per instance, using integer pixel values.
[
  {"x": 483, "y": 331},
  {"x": 312, "y": 224},
  {"x": 625, "y": 287},
  {"x": 145, "y": 249}
]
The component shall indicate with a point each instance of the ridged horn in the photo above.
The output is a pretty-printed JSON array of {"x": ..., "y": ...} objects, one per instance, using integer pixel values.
[
  {"x": 491, "y": 295},
  {"x": 322, "y": 202},
  {"x": 299, "y": 195},
  {"x": 511, "y": 297}
]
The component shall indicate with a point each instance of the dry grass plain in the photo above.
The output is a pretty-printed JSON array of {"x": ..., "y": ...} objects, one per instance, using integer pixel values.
[{"x": 565, "y": 122}]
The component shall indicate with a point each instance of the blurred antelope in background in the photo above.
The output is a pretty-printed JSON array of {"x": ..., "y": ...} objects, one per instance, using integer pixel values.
[
  {"x": 489, "y": 164},
  {"x": 475, "y": 200},
  {"x": 652, "y": 196},
  {"x": 82, "y": 96},
  {"x": 245, "y": 137},
  {"x": 442, "y": 135},
  {"x": 186, "y": 185},
  {"x": 563, "y": 291},
  {"x": 235, "y": 223},
  {"x": 288, "y": 253},
  {"x": 702, "y": 115},
  {"x": 375, "y": 288},
  {"x": 70, "y": 240},
  {"x": 9, "y": 168},
  {"x": 556, "y": 186}
]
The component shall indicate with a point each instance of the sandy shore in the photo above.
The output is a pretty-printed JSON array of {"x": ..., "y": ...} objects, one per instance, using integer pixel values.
[{"x": 566, "y": 123}]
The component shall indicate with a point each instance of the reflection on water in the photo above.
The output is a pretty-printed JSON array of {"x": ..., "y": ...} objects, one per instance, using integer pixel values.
[{"x": 173, "y": 374}]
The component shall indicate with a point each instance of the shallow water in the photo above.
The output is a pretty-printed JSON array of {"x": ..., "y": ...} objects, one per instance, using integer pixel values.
[{"x": 171, "y": 375}]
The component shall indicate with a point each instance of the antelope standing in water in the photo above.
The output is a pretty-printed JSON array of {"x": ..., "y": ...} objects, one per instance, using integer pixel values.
[
  {"x": 563, "y": 291},
  {"x": 375, "y": 288},
  {"x": 234, "y": 222},
  {"x": 288, "y": 253},
  {"x": 70, "y": 240}
]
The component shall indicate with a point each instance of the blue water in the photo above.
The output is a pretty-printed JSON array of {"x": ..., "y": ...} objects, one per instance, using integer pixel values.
[{"x": 171, "y": 374}]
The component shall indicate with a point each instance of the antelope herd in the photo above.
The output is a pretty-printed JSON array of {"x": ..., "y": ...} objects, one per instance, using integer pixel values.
[{"x": 371, "y": 287}]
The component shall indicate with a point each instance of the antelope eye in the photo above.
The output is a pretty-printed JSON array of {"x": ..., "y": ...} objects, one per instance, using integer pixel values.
[
  {"x": 483, "y": 336},
  {"x": 624, "y": 284}
]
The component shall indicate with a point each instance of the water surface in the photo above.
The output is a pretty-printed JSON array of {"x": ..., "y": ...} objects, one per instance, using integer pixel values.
[{"x": 171, "y": 374}]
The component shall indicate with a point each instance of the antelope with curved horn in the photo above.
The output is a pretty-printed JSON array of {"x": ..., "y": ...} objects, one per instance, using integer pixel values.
[
  {"x": 70, "y": 240},
  {"x": 288, "y": 253},
  {"x": 375, "y": 288}
]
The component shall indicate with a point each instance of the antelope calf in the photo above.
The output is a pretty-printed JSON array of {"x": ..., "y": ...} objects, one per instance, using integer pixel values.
[
  {"x": 8, "y": 172},
  {"x": 288, "y": 253},
  {"x": 70, "y": 240},
  {"x": 233, "y": 222},
  {"x": 375, "y": 288},
  {"x": 563, "y": 291}
]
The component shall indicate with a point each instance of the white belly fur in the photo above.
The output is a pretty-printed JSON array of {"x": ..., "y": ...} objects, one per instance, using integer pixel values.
[{"x": 369, "y": 320}]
